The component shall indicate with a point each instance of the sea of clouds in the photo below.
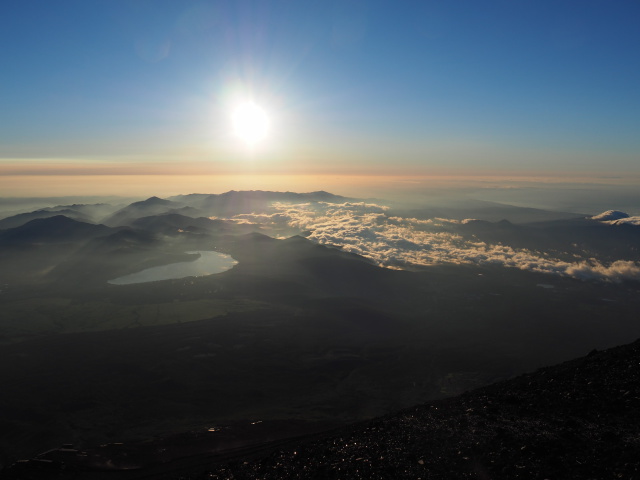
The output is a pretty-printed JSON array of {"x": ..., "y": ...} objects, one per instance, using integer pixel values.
[{"x": 370, "y": 230}]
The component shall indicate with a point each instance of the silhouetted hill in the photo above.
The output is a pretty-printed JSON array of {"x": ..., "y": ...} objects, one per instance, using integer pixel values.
[
  {"x": 296, "y": 265},
  {"x": 94, "y": 211},
  {"x": 56, "y": 229},
  {"x": 123, "y": 239},
  {"x": 144, "y": 208},
  {"x": 103, "y": 258},
  {"x": 90, "y": 213},
  {"x": 150, "y": 202},
  {"x": 172, "y": 222},
  {"x": 236, "y": 202},
  {"x": 22, "y": 218}
]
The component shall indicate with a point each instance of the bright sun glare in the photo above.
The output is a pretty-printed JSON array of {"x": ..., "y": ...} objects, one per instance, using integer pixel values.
[{"x": 250, "y": 123}]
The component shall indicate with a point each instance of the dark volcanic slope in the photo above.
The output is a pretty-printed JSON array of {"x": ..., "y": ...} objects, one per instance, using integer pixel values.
[
  {"x": 576, "y": 420},
  {"x": 580, "y": 419}
]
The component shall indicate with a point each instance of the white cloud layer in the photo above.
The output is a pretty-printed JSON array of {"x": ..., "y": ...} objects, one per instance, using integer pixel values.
[
  {"x": 627, "y": 221},
  {"x": 397, "y": 242},
  {"x": 610, "y": 215},
  {"x": 615, "y": 217}
]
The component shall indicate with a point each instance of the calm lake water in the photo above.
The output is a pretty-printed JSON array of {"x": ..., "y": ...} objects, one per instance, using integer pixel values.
[{"x": 207, "y": 264}]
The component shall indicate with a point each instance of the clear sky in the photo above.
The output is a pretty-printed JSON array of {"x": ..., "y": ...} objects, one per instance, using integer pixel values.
[{"x": 131, "y": 87}]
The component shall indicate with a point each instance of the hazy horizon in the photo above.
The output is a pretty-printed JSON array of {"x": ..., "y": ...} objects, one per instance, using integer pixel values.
[
  {"x": 583, "y": 196},
  {"x": 126, "y": 98}
]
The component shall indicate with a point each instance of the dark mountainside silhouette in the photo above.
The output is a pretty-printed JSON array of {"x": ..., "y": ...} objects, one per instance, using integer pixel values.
[
  {"x": 81, "y": 212},
  {"x": 56, "y": 229},
  {"x": 173, "y": 222},
  {"x": 298, "y": 336},
  {"x": 150, "y": 206},
  {"x": 576, "y": 420},
  {"x": 22, "y": 218}
]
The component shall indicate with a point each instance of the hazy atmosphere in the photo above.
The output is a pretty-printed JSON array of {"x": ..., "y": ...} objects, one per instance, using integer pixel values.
[
  {"x": 232, "y": 232},
  {"x": 120, "y": 97}
]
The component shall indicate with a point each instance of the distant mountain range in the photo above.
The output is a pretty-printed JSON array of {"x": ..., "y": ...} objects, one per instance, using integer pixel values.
[
  {"x": 490, "y": 211},
  {"x": 22, "y": 218},
  {"x": 569, "y": 238},
  {"x": 229, "y": 203},
  {"x": 85, "y": 213},
  {"x": 55, "y": 229},
  {"x": 338, "y": 310},
  {"x": 234, "y": 202},
  {"x": 199, "y": 221}
]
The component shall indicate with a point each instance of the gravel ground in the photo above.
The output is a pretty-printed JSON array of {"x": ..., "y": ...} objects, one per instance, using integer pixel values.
[{"x": 577, "y": 420}]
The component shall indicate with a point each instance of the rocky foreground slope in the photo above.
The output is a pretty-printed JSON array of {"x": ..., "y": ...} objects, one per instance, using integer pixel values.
[
  {"x": 580, "y": 419},
  {"x": 576, "y": 420}
]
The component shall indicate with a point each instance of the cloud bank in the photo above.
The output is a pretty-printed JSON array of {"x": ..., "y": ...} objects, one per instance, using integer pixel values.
[
  {"x": 615, "y": 217},
  {"x": 626, "y": 221},
  {"x": 397, "y": 242},
  {"x": 610, "y": 215}
]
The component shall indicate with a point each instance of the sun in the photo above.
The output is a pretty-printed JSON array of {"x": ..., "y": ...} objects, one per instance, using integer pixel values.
[{"x": 250, "y": 123}]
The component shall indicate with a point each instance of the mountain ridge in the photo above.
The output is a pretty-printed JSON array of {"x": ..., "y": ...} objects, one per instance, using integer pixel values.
[{"x": 57, "y": 228}]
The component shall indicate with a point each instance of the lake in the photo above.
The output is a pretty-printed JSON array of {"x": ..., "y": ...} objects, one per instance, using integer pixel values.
[{"x": 208, "y": 263}]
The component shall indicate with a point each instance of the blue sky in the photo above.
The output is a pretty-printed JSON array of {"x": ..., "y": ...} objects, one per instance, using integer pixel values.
[{"x": 389, "y": 87}]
